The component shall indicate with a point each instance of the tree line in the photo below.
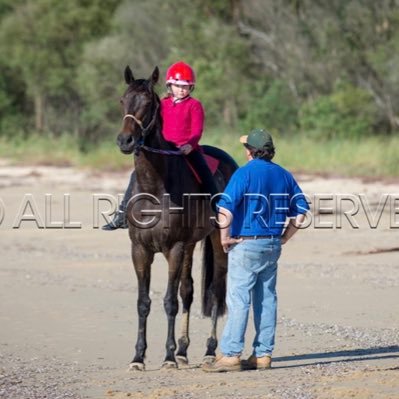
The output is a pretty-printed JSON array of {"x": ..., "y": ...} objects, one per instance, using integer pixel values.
[{"x": 316, "y": 67}]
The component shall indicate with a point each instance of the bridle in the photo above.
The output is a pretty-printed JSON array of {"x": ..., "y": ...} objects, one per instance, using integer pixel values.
[{"x": 144, "y": 132}]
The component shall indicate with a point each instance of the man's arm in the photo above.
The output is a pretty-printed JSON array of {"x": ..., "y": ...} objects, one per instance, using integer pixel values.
[
  {"x": 225, "y": 218},
  {"x": 292, "y": 228}
]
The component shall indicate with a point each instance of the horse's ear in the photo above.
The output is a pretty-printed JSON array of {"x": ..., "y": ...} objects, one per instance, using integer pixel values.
[
  {"x": 155, "y": 76},
  {"x": 129, "y": 78}
]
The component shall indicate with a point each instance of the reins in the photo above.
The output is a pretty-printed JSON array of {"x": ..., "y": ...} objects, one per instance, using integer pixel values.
[{"x": 159, "y": 151}]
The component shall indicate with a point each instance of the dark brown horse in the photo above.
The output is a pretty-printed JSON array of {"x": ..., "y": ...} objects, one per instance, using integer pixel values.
[{"x": 168, "y": 214}]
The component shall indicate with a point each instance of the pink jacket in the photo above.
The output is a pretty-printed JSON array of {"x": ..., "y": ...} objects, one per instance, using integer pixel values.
[{"x": 183, "y": 121}]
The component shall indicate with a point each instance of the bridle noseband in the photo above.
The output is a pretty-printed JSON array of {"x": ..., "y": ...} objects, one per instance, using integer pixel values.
[
  {"x": 138, "y": 121},
  {"x": 144, "y": 130}
]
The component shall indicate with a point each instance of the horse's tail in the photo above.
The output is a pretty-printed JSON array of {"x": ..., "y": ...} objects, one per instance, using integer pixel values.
[{"x": 213, "y": 281}]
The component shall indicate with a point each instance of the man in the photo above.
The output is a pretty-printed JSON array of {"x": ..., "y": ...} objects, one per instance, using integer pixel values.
[{"x": 259, "y": 198}]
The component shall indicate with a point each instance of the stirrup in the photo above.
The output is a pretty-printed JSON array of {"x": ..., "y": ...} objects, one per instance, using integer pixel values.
[{"x": 118, "y": 222}]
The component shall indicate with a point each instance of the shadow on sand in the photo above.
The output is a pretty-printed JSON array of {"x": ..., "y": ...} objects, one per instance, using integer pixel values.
[{"x": 344, "y": 356}]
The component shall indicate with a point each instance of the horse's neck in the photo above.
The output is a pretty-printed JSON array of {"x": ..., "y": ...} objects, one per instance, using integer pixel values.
[{"x": 153, "y": 169}]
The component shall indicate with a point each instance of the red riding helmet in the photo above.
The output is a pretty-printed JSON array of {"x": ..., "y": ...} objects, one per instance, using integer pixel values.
[{"x": 180, "y": 73}]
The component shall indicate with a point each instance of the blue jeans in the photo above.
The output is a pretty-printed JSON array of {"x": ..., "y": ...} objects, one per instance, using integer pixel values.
[{"x": 251, "y": 277}]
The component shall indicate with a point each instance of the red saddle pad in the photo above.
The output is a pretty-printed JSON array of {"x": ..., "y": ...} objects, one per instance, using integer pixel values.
[{"x": 212, "y": 162}]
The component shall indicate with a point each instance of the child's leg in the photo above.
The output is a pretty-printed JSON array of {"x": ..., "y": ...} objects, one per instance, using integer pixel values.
[
  {"x": 201, "y": 167},
  {"x": 119, "y": 221}
]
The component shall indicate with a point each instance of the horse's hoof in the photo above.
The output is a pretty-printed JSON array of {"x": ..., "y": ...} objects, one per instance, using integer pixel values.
[
  {"x": 208, "y": 359},
  {"x": 182, "y": 361},
  {"x": 169, "y": 365},
  {"x": 136, "y": 366}
]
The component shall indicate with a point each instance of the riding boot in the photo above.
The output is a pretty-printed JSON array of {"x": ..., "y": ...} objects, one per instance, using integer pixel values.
[
  {"x": 202, "y": 168},
  {"x": 120, "y": 220}
]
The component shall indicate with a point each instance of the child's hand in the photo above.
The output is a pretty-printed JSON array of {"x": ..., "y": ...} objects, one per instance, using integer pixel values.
[{"x": 186, "y": 149}]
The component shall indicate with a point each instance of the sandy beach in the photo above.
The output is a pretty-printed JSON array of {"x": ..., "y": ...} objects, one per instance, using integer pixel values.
[{"x": 68, "y": 297}]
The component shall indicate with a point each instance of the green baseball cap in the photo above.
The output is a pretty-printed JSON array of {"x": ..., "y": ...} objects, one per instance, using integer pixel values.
[{"x": 257, "y": 138}]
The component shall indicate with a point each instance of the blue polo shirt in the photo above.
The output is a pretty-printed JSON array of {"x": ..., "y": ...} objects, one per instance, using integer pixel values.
[{"x": 261, "y": 195}]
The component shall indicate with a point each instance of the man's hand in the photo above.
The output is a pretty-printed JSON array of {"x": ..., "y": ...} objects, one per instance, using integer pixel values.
[
  {"x": 229, "y": 241},
  {"x": 292, "y": 228},
  {"x": 186, "y": 149}
]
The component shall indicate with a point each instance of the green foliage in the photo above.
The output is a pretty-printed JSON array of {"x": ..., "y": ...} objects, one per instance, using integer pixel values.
[
  {"x": 12, "y": 112},
  {"x": 5, "y": 100},
  {"x": 269, "y": 63},
  {"x": 43, "y": 40},
  {"x": 347, "y": 112},
  {"x": 100, "y": 78},
  {"x": 221, "y": 60},
  {"x": 7, "y": 6},
  {"x": 226, "y": 11},
  {"x": 100, "y": 84},
  {"x": 273, "y": 107}
]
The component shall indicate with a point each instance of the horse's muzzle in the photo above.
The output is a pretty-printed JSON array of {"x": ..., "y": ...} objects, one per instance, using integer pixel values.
[{"x": 125, "y": 143}]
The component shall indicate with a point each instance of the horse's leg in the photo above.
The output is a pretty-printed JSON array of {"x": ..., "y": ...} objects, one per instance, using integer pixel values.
[
  {"x": 218, "y": 287},
  {"x": 212, "y": 341},
  {"x": 142, "y": 261},
  {"x": 175, "y": 257},
  {"x": 186, "y": 294}
]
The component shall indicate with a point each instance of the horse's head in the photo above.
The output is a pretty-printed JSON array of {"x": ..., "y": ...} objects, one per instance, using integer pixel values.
[{"x": 141, "y": 108}]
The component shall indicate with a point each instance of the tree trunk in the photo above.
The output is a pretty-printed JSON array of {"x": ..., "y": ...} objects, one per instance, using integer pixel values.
[
  {"x": 39, "y": 111},
  {"x": 236, "y": 11},
  {"x": 230, "y": 113}
]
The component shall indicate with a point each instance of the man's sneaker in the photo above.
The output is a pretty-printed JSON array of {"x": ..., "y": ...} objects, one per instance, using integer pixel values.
[
  {"x": 258, "y": 363},
  {"x": 223, "y": 364}
]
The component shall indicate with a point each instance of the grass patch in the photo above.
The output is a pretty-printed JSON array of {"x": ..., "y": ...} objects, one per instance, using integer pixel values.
[
  {"x": 368, "y": 157},
  {"x": 63, "y": 151},
  {"x": 44, "y": 150},
  {"x": 106, "y": 156}
]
